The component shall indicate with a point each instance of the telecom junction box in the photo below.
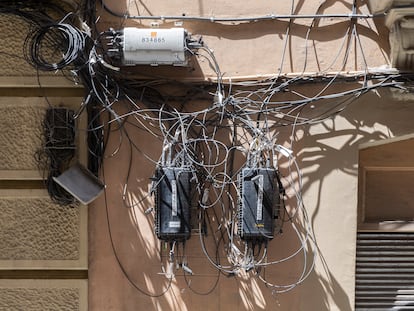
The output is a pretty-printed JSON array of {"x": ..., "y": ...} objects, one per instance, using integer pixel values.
[
  {"x": 172, "y": 203},
  {"x": 154, "y": 46},
  {"x": 259, "y": 203}
]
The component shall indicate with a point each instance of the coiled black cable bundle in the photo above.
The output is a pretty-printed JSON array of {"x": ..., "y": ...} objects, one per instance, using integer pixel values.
[{"x": 54, "y": 46}]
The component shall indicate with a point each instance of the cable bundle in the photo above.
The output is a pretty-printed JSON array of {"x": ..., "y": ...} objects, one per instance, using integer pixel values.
[
  {"x": 57, "y": 151},
  {"x": 61, "y": 40}
]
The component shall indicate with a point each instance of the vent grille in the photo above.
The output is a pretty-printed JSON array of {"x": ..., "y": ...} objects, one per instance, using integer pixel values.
[{"x": 384, "y": 271}]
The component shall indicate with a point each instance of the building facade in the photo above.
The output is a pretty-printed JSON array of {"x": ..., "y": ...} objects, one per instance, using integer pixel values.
[{"x": 316, "y": 93}]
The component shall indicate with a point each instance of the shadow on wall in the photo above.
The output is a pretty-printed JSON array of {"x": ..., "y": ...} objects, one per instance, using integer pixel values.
[
  {"x": 329, "y": 293},
  {"x": 334, "y": 145},
  {"x": 331, "y": 147}
]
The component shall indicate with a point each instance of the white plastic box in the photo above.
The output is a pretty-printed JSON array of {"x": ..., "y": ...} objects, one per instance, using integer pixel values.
[{"x": 153, "y": 46}]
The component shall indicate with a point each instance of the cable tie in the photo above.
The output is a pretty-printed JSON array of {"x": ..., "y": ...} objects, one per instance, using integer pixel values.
[
  {"x": 169, "y": 273},
  {"x": 206, "y": 193},
  {"x": 171, "y": 256},
  {"x": 92, "y": 60},
  {"x": 219, "y": 98},
  {"x": 186, "y": 269},
  {"x": 86, "y": 29},
  {"x": 148, "y": 210},
  {"x": 109, "y": 66},
  {"x": 283, "y": 150}
]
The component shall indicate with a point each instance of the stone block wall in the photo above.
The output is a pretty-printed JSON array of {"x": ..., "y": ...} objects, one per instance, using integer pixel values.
[
  {"x": 21, "y": 132},
  {"x": 43, "y": 246},
  {"x": 40, "y": 240},
  {"x": 45, "y": 295},
  {"x": 43, "y": 258}
]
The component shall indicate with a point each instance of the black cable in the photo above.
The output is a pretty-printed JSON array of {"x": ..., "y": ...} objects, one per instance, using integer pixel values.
[
  {"x": 121, "y": 266},
  {"x": 107, "y": 9},
  {"x": 63, "y": 40},
  {"x": 206, "y": 293},
  {"x": 96, "y": 145}
]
